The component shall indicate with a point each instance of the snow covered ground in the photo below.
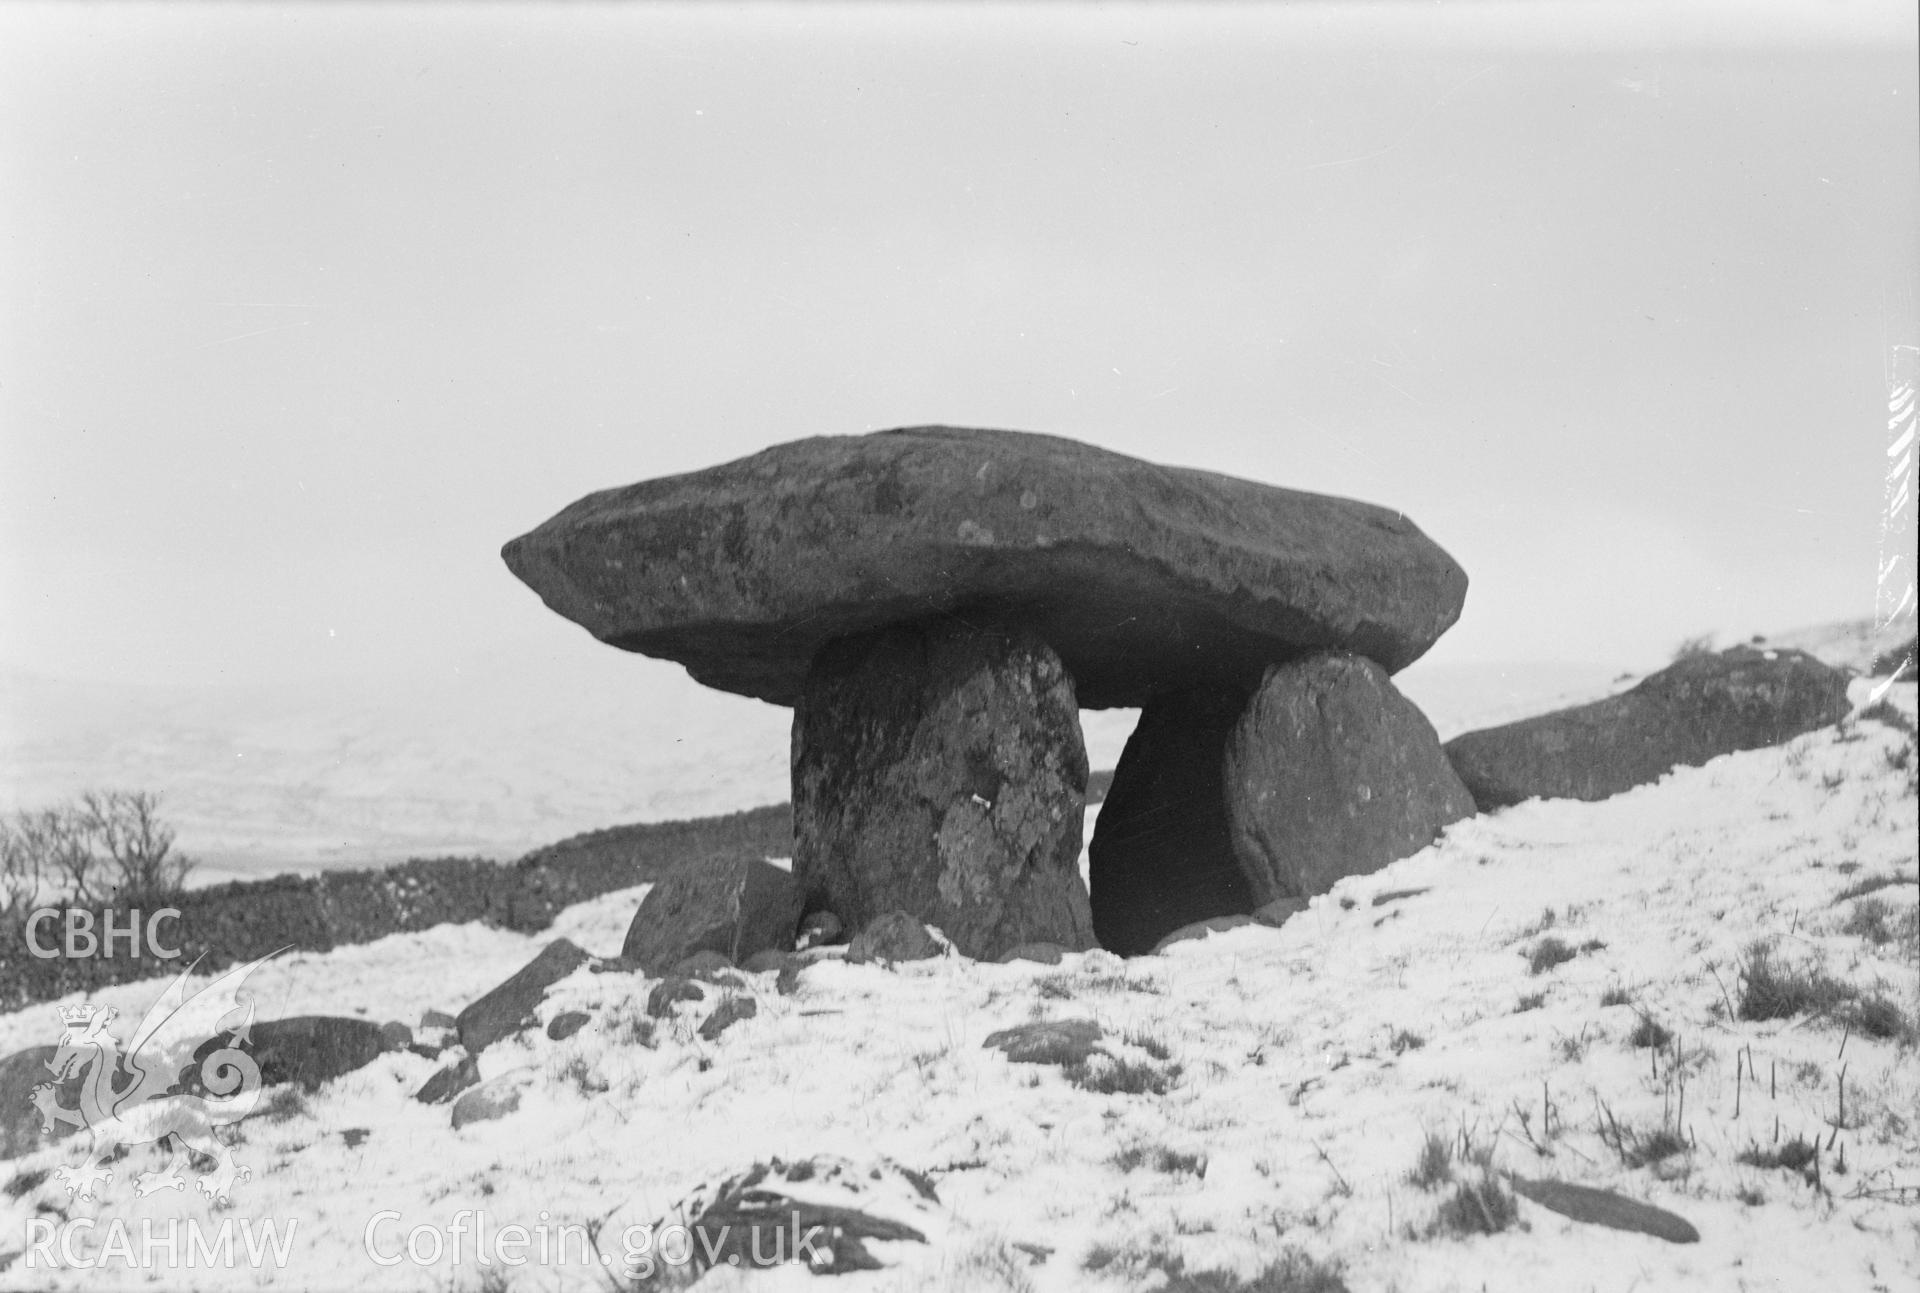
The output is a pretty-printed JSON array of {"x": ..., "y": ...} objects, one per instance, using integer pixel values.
[{"x": 1301, "y": 1071}]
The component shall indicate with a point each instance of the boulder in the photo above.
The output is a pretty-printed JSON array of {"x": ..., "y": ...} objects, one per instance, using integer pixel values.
[
  {"x": 736, "y": 909},
  {"x": 1162, "y": 855},
  {"x": 1141, "y": 577},
  {"x": 895, "y": 936},
  {"x": 450, "y": 1081},
  {"x": 510, "y": 1007},
  {"x": 1047, "y": 1041},
  {"x": 310, "y": 1050},
  {"x": 1696, "y": 709},
  {"x": 938, "y": 769},
  {"x": 1331, "y": 772},
  {"x": 495, "y": 1098}
]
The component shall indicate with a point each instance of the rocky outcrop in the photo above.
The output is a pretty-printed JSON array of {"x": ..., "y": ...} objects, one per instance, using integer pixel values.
[
  {"x": 938, "y": 769},
  {"x": 1696, "y": 709},
  {"x": 1142, "y": 578},
  {"x": 1331, "y": 772},
  {"x": 1162, "y": 854},
  {"x": 735, "y": 909}
]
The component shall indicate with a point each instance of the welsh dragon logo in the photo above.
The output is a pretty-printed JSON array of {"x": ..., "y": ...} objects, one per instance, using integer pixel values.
[{"x": 131, "y": 1099}]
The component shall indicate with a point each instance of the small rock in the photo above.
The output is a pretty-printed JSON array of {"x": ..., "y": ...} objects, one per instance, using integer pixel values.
[
  {"x": 895, "y": 936},
  {"x": 729, "y": 1012},
  {"x": 788, "y": 981},
  {"x": 1044, "y": 953},
  {"x": 395, "y": 1036},
  {"x": 494, "y": 1098},
  {"x": 1047, "y": 1041},
  {"x": 767, "y": 962},
  {"x": 437, "y": 1019},
  {"x": 709, "y": 967},
  {"x": 1279, "y": 911},
  {"x": 566, "y": 1024},
  {"x": 820, "y": 929},
  {"x": 667, "y": 992},
  {"x": 450, "y": 1081},
  {"x": 355, "y": 1136}
]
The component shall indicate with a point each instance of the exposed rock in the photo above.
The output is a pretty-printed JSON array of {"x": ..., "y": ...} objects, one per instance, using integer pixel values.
[
  {"x": 767, "y": 962},
  {"x": 736, "y": 910},
  {"x": 1200, "y": 929},
  {"x": 778, "y": 1212},
  {"x": 670, "y": 992},
  {"x": 730, "y": 1011},
  {"x": 938, "y": 769},
  {"x": 1162, "y": 856},
  {"x": 1331, "y": 772},
  {"x": 495, "y": 1098},
  {"x": 1044, "y": 953},
  {"x": 566, "y": 1024},
  {"x": 395, "y": 1036},
  {"x": 1140, "y": 576},
  {"x": 449, "y": 1081},
  {"x": 308, "y": 1049},
  {"x": 437, "y": 1019},
  {"x": 510, "y": 1007},
  {"x": 1696, "y": 709},
  {"x": 895, "y": 936},
  {"x": 1047, "y": 1041}
]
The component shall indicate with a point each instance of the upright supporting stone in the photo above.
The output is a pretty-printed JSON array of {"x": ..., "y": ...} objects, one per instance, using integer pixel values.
[
  {"x": 1331, "y": 772},
  {"x": 938, "y": 769},
  {"x": 1162, "y": 856}
]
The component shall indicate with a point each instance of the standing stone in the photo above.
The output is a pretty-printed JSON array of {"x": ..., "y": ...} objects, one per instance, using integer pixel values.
[
  {"x": 1162, "y": 856},
  {"x": 1696, "y": 709},
  {"x": 737, "y": 909},
  {"x": 938, "y": 769},
  {"x": 1331, "y": 772}
]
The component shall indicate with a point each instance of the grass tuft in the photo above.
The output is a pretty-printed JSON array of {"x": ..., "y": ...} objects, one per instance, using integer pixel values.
[
  {"x": 1482, "y": 1207},
  {"x": 1434, "y": 1167},
  {"x": 1105, "y": 1074},
  {"x": 1547, "y": 953},
  {"x": 1648, "y": 1032}
]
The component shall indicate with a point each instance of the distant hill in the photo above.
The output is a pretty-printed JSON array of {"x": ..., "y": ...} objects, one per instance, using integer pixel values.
[{"x": 498, "y": 761}]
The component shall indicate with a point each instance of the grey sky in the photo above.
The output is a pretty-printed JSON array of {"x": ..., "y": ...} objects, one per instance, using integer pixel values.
[{"x": 307, "y": 310}]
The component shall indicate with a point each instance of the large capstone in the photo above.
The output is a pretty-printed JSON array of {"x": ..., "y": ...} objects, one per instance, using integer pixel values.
[
  {"x": 1696, "y": 709},
  {"x": 1162, "y": 855},
  {"x": 938, "y": 769},
  {"x": 1331, "y": 772},
  {"x": 1143, "y": 579}
]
